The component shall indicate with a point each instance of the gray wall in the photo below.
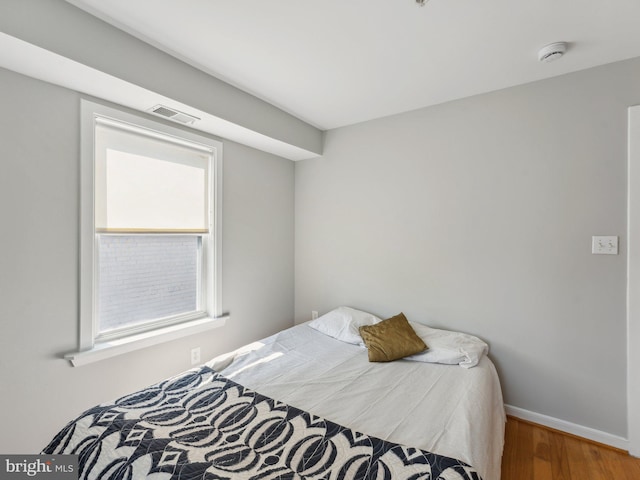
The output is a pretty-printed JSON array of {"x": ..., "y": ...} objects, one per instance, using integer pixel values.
[
  {"x": 477, "y": 215},
  {"x": 39, "y": 195}
]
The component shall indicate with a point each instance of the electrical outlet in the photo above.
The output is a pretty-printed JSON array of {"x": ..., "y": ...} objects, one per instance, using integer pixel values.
[
  {"x": 195, "y": 355},
  {"x": 314, "y": 314}
]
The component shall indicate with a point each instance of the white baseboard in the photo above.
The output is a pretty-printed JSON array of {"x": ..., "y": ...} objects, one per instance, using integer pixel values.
[{"x": 568, "y": 427}]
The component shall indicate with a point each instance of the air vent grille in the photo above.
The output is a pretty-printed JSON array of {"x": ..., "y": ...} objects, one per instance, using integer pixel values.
[{"x": 173, "y": 114}]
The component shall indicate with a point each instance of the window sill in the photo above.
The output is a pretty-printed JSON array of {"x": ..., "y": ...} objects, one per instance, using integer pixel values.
[{"x": 103, "y": 350}]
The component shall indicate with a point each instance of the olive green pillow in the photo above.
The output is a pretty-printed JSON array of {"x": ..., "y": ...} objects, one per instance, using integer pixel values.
[{"x": 391, "y": 339}]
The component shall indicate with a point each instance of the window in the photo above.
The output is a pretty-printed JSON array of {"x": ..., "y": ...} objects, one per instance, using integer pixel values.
[{"x": 150, "y": 233}]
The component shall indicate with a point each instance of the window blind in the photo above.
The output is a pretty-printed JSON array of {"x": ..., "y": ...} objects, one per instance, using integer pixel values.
[{"x": 149, "y": 182}]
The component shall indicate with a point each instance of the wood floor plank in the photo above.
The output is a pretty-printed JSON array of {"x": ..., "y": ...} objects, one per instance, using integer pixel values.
[
  {"x": 559, "y": 458},
  {"x": 594, "y": 456},
  {"x": 542, "y": 455},
  {"x": 509, "y": 455},
  {"x": 614, "y": 465},
  {"x": 534, "y": 452},
  {"x": 579, "y": 466},
  {"x": 623, "y": 466},
  {"x": 524, "y": 464}
]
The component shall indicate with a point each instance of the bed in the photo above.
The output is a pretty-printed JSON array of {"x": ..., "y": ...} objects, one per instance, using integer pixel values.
[{"x": 299, "y": 404}]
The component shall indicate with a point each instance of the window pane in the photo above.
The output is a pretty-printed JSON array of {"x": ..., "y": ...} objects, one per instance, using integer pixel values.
[{"x": 145, "y": 277}]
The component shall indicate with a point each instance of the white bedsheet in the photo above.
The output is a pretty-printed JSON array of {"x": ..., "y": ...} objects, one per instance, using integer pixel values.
[{"x": 444, "y": 409}]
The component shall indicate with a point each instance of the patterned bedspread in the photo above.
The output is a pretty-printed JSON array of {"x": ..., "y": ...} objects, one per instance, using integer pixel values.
[{"x": 201, "y": 425}]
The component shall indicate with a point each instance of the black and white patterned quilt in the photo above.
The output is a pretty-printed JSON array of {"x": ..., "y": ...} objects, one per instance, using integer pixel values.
[{"x": 201, "y": 425}]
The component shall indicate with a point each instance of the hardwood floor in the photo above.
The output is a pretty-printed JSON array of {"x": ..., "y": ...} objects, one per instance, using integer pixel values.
[{"x": 532, "y": 452}]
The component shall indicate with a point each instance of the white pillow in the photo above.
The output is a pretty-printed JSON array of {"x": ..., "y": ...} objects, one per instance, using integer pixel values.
[
  {"x": 449, "y": 347},
  {"x": 343, "y": 324}
]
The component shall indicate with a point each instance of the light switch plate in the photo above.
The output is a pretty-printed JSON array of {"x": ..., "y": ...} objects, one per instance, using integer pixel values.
[{"x": 604, "y": 245}]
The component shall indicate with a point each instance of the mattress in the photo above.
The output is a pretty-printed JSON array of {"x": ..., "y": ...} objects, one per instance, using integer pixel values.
[{"x": 445, "y": 409}]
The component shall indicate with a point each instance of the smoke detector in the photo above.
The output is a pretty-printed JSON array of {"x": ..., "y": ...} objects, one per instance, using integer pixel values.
[
  {"x": 172, "y": 114},
  {"x": 551, "y": 52}
]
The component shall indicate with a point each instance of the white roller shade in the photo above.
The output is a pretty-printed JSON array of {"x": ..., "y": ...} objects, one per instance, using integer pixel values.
[{"x": 146, "y": 181}]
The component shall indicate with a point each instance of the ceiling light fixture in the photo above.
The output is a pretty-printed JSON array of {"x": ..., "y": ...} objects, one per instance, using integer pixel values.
[
  {"x": 421, "y": 3},
  {"x": 551, "y": 52}
]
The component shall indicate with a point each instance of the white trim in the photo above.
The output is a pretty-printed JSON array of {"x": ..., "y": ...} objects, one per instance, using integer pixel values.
[
  {"x": 633, "y": 283},
  {"x": 568, "y": 427},
  {"x": 87, "y": 235},
  {"x": 101, "y": 351},
  {"x": 216, "y": 226}
]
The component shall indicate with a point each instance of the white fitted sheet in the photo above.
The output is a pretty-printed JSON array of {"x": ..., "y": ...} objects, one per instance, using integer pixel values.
[{"x": 444, "y": 409}]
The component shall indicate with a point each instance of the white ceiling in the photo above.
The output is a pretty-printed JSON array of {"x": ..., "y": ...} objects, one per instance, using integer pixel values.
[{"x": 338, "y": 62}]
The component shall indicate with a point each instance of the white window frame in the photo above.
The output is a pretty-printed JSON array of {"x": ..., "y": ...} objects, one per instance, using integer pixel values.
[{"x": 91, "y": 346}]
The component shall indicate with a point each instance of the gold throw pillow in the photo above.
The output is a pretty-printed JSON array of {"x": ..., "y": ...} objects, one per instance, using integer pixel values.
[{"x": 391, "y": 339}]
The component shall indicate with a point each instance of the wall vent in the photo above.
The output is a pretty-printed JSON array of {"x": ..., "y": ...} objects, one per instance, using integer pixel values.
[{"x": 173, "y": 114}]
